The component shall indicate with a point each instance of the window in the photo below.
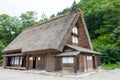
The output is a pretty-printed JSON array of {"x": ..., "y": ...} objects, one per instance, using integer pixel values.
[
  {"x": 70, "y": 60},
  {"x": 67, "y": 60},
  {"x": 21, "y": 60},
  {"x": 89, "y": 57},
  {"x": 12, "y": 60},
  {"x": 16, "y": 60},
  {"x": 64, "y": 60},
  {"x": 30, "y": 58},
  {"x": 38, "y": 58},
  {"x": 74, "y": 36},
  {"x": 74, "y": 39},
  {"x": 74, "y": 30}
]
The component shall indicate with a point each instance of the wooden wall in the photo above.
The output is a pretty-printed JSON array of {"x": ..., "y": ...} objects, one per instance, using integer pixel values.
[
  {"x": 69, "y": 67},
  {"x": 39, "y": 63},
  {"x": 83, "y": 39},
  {"x": 81, "y": 64},
  {"x": 84, "y": 64},
  {"x": 97, "y": 61},
  {"x": 88, "y": 65},
  {"x": 50, "y": 63},
  {"x": 4, "y": 61},
  {"x": 58, "y": 62}
]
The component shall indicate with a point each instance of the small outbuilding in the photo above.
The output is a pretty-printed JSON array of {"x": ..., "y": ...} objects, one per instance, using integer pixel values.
[{"x": 61, "y": 44}]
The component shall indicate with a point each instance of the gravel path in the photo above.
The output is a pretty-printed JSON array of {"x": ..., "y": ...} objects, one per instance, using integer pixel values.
[{"x": 7, "y": 74}]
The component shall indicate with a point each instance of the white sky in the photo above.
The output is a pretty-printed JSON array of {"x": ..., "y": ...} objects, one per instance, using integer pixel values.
[{"x": 49, "y": 7}]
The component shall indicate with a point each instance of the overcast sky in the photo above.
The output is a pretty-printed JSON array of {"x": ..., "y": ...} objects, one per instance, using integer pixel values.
[{"x": 49, "y": 7}]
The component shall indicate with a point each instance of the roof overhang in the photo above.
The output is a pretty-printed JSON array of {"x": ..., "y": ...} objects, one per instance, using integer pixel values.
[
  {"x": 75, "y": 53},
  {"x": 16, "y": 54},
  {"x": 82, "y": 50}
]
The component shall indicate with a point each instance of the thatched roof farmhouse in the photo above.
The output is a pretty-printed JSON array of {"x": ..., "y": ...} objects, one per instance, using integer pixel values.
[{"x": 62, "y": 44}]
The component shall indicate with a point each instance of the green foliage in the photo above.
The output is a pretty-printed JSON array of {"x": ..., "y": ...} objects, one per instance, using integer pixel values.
[
  {"x": 52, "y": 16},
  {"x": 44, "y": 18},
  {"x": 101, "y": 16},
  {"x": 1, "y": 61},
  {"x": 116, "y": 35},
  {"x": 74, "y": 6},
  {"x": 110, "y": 66},
  {"x": 67, "y": 10},
  {"x": 10, "y": 27},
  {"x": 1, "y": 47},
  {"x": 28, "y": 19}
]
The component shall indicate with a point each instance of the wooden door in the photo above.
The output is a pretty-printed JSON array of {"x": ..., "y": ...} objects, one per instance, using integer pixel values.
[
  {"x": 40, "y": 64},
  {"x": 34, "y": 63},
  {"x": 85, "y": 64},
  {"x": 90, "y": 63},
  {"x": 81, "y": 63}
]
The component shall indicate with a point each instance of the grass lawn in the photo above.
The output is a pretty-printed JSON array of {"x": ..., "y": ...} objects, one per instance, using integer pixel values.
[{"x": 110, "y": 66}]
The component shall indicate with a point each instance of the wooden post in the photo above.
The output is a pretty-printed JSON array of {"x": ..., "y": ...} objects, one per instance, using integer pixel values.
[
  {"x": 94, "y": 61},
  {"x": 20, "y": 62},
  {"x": 4, "y": 61},
  {"x": 75, "y": 64},
  {"x": 27, "y": 62}
]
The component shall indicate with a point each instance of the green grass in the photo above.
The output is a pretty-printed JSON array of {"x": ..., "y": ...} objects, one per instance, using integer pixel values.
[{"x": 110, "y": 66}]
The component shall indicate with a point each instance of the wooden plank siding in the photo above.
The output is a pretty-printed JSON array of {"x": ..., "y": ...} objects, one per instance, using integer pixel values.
[
  {"x": 81, "y": 63},
  {"x": 58, "y": 62},
  {"x": 70, "y": 67},
  {"x": 50, "y": 63},
  {"x": 82, "y": 36},
  {"x": 35, "y": 63},
  {"x": 40, "y": 64},
  {"x": 84, "y": 64},
  {"x": 5, "y": 61},
  {"x": 30, "y": 62}
]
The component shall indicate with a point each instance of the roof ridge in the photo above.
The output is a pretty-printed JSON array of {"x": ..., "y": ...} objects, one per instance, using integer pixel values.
[
  {"x": 59, "y": 16},
  {"x": 48, "y": 21}
]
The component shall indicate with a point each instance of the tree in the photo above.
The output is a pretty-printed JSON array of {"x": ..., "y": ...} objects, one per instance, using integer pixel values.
[
  {"x": 8, "y": 28},
  {"x": 43, "y": 18},
  {"x": 1, "y": 48},
  {"x": 52, "y": 16},
  {"x": 116, "y": 35},
  {"x": 74, "y": 6},
  {"x": 28, "y": 19}
]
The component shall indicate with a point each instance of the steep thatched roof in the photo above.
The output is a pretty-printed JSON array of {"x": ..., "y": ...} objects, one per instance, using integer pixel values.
[{"x": 48, "y": 35}]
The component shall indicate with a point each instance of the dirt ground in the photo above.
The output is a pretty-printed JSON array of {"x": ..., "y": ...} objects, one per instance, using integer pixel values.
[{"x": 8, "y": 74}]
